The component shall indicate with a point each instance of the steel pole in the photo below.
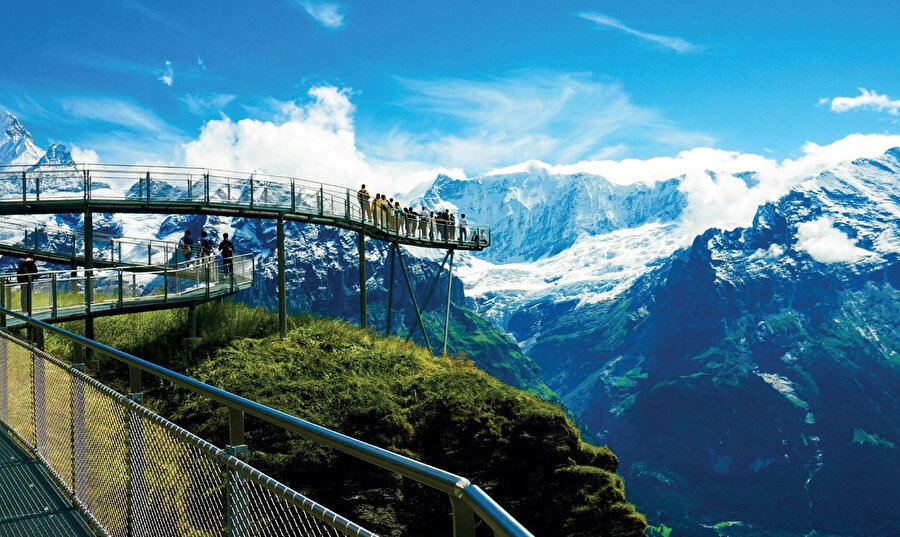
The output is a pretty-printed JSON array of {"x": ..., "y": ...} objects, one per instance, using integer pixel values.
[
  {"x": 282, "y": 280},
  {"x": 363, "y": 315},
  {"x": 387, "y": 331},
  {"x": 449, "y": 289},
  {"x": 412, "y": 295}
]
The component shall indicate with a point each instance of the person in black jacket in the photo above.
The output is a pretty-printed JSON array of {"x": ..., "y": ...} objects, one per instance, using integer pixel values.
[
  {"x": 25, "y": 275},
  {"x": 227, "y": 249}
]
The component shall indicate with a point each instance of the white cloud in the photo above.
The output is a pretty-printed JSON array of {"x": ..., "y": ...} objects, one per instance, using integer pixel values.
[
  {"x": 83, "y": 156},
  {"x": 327, "y": 14},
  {"x": 722, "y": 198},
  {"x": 315, "y": 140},
  {"x": 166, "y": 74},
  {"x": 565, "y": 117},
  {"x": 113, "y": 111},
  {"x": 826, "y": 244},
  {"x": 677, "y": 44},
  {"x": 866, "y": 100},
  {"x": 206, "y": 103}
]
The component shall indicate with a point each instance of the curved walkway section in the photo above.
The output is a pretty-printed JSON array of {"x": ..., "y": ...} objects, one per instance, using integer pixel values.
[
  {"x": 181, "y": 190},
  {"x": 67, "y": 296}
]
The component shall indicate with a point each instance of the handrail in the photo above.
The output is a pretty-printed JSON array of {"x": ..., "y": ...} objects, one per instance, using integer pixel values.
[
  {"x": 103, "y": 238},
  {"x": 456, "y": 486},
  {"x": 260, "y": 192}
]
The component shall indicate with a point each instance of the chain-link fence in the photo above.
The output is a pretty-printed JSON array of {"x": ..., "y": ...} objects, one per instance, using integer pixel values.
[{"x": 134, "y": 473}]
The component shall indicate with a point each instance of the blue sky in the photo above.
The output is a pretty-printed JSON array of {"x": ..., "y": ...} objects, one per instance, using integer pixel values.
[{"x": 408, "y": 88}]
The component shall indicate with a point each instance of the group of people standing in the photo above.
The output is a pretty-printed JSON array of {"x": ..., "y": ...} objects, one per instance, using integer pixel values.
[
  {"x": 205, "y": 248},
  {"x": 389, "y": 214}
]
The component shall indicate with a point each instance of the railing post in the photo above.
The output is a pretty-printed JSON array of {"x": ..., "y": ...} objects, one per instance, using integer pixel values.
[
  {"x": 36, "y": 239},
  {"x": 190, "y": 188},
  {"x": 4, "y": 380},
  {"x": 37, "y": 188},
  {"x": 149, "y": 253},
  {"x": 3, "y": 303},
  {"x": 206, "y": 183},
  {"x": 148, "y": 186},
  {"x": 251, "y": 191},
  {"x": 121, "y": 289},
  {"x": 237, "y": 498},
  {"x": 79, "y": 438},
  {"x": 321, "y": 200},
  {"x": 54, "y": 300},
  {"x": 347, "y": 205},
  {"x": 293, "y": 197},
  {"x": 39, "y": 389},
  {"x": 166, "y": 283},
  {"x": 134, "y": 383},
  {"x": 463, "y": 518},
  {"x": 24, "y": 186},
  {"x": 137, "y": 485}
]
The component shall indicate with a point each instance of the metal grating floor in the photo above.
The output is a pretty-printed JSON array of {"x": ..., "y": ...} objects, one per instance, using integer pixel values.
[{"x": 30, "y": 503}]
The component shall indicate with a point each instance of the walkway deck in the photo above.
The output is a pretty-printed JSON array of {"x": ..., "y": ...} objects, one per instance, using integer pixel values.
[
  {"x": 180, "y": 190},
  {"x": 30, "y": 502}
]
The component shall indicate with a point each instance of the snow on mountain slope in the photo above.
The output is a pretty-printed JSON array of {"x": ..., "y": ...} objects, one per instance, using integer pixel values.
[{"x": 16, "y": 144}]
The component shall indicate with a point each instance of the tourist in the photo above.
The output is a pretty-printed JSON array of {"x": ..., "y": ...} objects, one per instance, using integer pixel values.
[
  {"x": 463, "y": 227},
  {"x": 26, "y": 273},
  {"x": 364, "y": 209},
  {"x": 227, "y": 249},
  {"x": 186, "y": 244}
]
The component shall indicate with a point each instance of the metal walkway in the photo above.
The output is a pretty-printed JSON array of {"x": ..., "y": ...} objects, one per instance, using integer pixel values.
[{"x": 30, "y": 502}]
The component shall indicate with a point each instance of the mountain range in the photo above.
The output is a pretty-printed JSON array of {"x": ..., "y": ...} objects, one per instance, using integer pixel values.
[{"x": 746, "y": 377}]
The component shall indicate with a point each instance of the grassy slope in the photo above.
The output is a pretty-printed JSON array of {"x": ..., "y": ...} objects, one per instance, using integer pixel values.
[{"x": 524, "y": 451}]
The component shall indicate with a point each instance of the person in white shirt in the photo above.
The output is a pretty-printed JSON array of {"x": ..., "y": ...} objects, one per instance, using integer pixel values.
[{"x": 463, "y": 227}]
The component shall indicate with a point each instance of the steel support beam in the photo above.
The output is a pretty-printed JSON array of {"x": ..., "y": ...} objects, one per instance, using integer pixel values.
[
  {"x": 363, "y": 315},
  {"x": 282, "y": 282},
  {"x": 88, "y": 277},
  {"x": 412, "y": 295},
  {"x": 390, "y": 305},
  {"x": 449, "y": 289},
  {"x": 430, "y": 291}
]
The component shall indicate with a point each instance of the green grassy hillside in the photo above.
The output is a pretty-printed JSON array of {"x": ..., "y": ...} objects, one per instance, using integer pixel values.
[{"x": 524, "y": 451}]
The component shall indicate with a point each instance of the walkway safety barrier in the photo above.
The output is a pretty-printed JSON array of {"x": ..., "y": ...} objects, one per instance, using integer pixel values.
[
  {"x": 164, "y": 188},
  {"x": 70, "y": 294},
  {"x": 132, "y": 472},
  {"x": 115, "y": 457},
  {"x": 21, "y": 237}
]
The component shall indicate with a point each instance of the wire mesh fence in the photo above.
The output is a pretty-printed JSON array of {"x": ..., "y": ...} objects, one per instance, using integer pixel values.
[{"x": 134, "y": 473}]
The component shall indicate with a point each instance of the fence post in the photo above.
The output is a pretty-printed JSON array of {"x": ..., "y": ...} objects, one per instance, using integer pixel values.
[
  {"x": 39, "y": 389},
  {"x": 54, "y": 299},
  {"x": 4, "y": 380},
  {"x": 79, "y": 439},
  {"x": 121, "y": 288},
  {"x": 463, "y": 518},
  {"x": 237, "y": 498},
  {"x": 137, "y": 484}
]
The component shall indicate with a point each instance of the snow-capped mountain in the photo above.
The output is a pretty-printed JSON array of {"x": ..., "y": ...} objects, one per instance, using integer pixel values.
[
  {"x": 744, "y": 375},
  {"x": 16, "y": 144}
]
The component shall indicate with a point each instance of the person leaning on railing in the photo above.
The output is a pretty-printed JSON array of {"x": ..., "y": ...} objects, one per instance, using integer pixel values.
[{"x": 227, "y": 249}]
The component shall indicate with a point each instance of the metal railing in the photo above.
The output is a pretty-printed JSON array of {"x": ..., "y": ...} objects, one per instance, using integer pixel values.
[
  {"x": 54, "y": 294},
  {"x": 110, "y": 248},
  {"x": 132, "y": 472},
  {"x": 468, "y": 501},
  {"x": 172, "y": 185}
]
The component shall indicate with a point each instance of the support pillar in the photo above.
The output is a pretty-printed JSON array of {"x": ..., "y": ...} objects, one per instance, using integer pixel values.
[
  {"x": 362, "y": 278},
  {"x": 412, "y": 296},
  {"x": 88, "y": 278},
  {"x": 192, "y": 321},
  {"x": 449, "y": 289},
  {"x": 430, "y": 291},
  {"x": 282, "y": 289},
  {"x": 390, "y": 305}
]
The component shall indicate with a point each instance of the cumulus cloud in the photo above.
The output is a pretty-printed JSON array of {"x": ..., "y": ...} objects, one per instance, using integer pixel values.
[
  {"x": 166, "y": 74},
  {"x": 325, "y": 13},
  {"x": 83, "y": 156},
  {"x": 713, "y": 180},
  {"x": 827, "y": 244},
  {"x": 314, "y": 140},
  {"x": 677, "y": 44},
  {"x": 866, "y": 100}
]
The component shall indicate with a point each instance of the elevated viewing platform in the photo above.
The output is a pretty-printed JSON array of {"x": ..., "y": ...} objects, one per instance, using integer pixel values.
[{"x": 184, "y": 190}]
